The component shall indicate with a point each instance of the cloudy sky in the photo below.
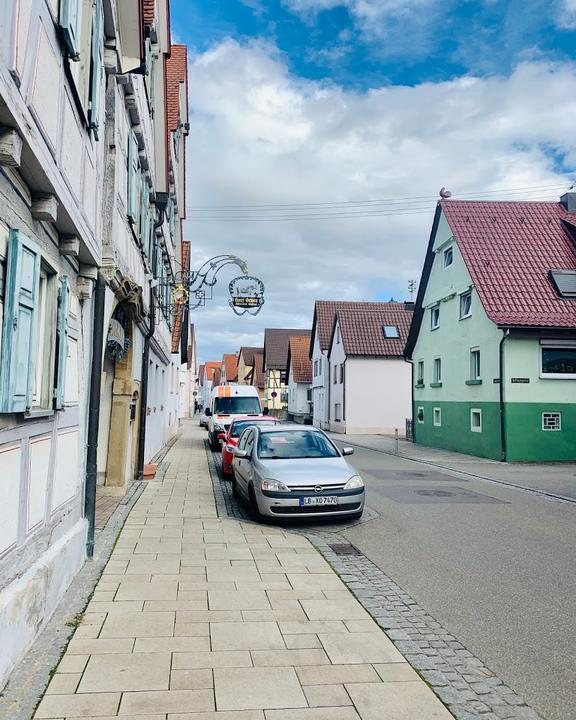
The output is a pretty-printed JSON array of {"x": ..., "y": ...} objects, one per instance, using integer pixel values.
[{"x": 322, "y": 131}]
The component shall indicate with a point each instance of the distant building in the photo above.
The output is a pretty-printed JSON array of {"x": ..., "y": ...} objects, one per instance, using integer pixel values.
[
  {"x": 246, "y": 363},
  {"x": 369, "y": 380},
  {"x": 322, "y": 326},
  {"x": 229, "y": 369},
  {"x": 493, "y": 340},
  {"x": 299, "y": 380},
  {"x": 256, "y": 376},
  {"x": 206, "y": 382},
  {"x": 275, "y": 356}
]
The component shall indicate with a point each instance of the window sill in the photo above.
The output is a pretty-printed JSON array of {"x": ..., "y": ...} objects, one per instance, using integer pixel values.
[
  {"x": 436, "y": 385},
  {"x": 465, "y": 317},
  {"x": 436, "y": 327},
  {"x": 38, "y": 413},
  {"x": 419, "y": 385},
  {"x": 473, "y": 382}
]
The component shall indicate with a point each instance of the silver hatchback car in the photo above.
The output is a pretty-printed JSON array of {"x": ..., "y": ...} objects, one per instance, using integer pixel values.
[{"x": 286, "y": 471}]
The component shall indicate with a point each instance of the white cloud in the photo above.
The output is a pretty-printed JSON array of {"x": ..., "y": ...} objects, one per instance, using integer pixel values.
[
  {"x": 260, "y": 135},
  {"x": 566, "y": 16}
]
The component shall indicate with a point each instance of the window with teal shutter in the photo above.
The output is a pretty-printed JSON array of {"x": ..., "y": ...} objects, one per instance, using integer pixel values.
[
  {"x": 96, "y": 74},
  {"x": 71, "y": 24},
  {"x": 133, "y": 175},
  {"x": 144, "y": 229},
  {"x": 19, "y": 329},
  {"x": 62, "y": 342}
]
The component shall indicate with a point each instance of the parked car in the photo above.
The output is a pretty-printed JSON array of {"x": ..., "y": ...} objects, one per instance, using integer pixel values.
[
  {"x": 227, "y": 402},
  {"x": 230, "y": 439},
  {"x": 287, "y": 471},
  {"x": 202, "y": 418}
]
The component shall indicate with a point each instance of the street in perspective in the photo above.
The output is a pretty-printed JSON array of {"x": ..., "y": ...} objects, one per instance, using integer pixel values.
[{"x": 287, "y": 360}]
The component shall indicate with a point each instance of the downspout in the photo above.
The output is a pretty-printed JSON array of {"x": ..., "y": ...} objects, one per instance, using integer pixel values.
[
  {"x": 329, "y": 391},
  {"x": 94, "y": 413},
  {"x": 161, "y": 203},
  {"x": 503, "y": 452}
]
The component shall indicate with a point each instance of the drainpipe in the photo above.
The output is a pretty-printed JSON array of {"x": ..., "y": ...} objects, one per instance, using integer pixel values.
[
  {"x": 161, "y": 203},
  {"x": 94, "y": 413},
  {"x": 505, "y": 334}
]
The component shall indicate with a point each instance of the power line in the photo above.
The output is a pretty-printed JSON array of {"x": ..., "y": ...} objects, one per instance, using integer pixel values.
[{"x": 383, "y": 201}]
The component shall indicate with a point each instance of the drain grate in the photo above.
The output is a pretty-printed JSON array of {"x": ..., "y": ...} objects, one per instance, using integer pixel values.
[{"x": 344, "y": 549}]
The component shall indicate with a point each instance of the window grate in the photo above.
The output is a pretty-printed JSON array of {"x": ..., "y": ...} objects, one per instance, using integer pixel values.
[{"x": 551, "y": 421}]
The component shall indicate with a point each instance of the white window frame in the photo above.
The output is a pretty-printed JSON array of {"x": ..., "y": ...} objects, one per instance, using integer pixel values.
[
  {"x": 45, "y": 362},
  {"x": 475, "y": 364},
  {"x": 473, "y": 427},
  {"x": 435, "y": 313},
  {"x": 465, "y": 294},
  {"x": 555, "y": 345},
  {"x": 341, "y": 373},
  {"x": 338, "y": 335},
  {"x": 420, "y": 372},
  {"x": 418, "y": 409},
  {"x": 393, "y": 334},
  {"x": 337, "y": 412},
  {"x": 448, "y": 253},
  {"x": 552, "y": 414},
  {"x": 437, "y": 366},
  {"x": 437, "y": 416},
  {"x": 315, "y": 368}
]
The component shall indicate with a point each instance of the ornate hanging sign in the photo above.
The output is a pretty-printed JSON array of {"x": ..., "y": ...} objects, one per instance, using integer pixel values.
[{"x": 246, "y": 295}]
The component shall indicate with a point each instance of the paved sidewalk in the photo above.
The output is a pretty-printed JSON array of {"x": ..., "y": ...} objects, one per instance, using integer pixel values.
[
  {"x": 558, "y": 479},
  {"x": 201, "y": 618}
]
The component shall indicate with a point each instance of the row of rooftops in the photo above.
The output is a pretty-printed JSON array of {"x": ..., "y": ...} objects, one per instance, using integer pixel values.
[{"x": 521, "y": 257}]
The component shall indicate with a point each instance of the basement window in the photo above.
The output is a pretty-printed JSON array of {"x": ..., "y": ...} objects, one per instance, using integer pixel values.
[
  {"x": 438, "y": 417},
  {"x": 476, "y": 420},
  {"x": 551, "y": 421},
  {"x": 420, "y": 415}
]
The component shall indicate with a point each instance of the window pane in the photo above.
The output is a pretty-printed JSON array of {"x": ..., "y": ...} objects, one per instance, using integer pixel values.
[
  {"x": 391, "y": 331},
  {"x": 465, "y": 304},
  {"x": 294, "y": 444},
  {"x": 560, "y": 361}
]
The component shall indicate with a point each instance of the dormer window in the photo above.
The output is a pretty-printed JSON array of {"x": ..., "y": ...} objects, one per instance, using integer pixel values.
[
  {"x": 448, "y": 257},
  {"x": 391, "y": 331}
]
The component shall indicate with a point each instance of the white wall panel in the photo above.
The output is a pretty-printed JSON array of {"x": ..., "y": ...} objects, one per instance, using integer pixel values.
[
  {"x": 72, "y": 149},
  {"x": 66, "y": 478},
  {"x": 45, "y": 96},
  {"x": 10, "y": 493},
  {"x": 38, "y": 482}
]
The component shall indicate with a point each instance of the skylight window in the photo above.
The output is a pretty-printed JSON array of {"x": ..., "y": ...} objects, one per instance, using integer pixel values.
[
  {"x": 565, "y": 282},
  {"x": 391, "y": 331}
]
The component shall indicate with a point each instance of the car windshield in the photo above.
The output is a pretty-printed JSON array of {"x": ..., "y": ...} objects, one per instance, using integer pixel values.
[
  {"x": 236, "y": 406},
  {"x": 292, "y": 444},
  {"x": 238, "y": 427}
]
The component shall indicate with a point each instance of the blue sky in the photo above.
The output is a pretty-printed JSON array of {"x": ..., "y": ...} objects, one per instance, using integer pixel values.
[
  {"x": 346, "y": 101},
  {"x": 422, "y": 41}
]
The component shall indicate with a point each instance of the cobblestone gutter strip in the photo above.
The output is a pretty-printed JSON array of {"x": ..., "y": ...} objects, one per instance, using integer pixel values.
[
  {"x": 31, "y": 676},
  {"x": 464, "y": 684}
]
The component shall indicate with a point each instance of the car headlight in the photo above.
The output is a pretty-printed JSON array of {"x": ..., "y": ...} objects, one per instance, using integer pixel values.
[
  {"x": 230, "y": 448},
  {"x": 218, "y": 428},
  {"x": 354, "y": 483},
  {"x": 274, "y": 486}
]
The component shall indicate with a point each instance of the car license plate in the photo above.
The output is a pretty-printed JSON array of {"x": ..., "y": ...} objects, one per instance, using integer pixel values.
[{"x": 322, "y": 500}]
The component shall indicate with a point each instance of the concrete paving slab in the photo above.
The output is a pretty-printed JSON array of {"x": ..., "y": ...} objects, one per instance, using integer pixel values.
[
  {"x": 139, "y": 624},
  {"x": 247, "y": 688},
  {"x": 246, "y": 636},
  {"x": 214, "y": 659},
  {"x": 73, "y": 706},
  {"x": 337, "y": 674},
  {"x": 166, "y": 701},
  {"x": 327, "y": 695},
  {"x": 360, "y": 648},
  {"x": 397, "y": 701},
  {"x": 108, "y": 673}
]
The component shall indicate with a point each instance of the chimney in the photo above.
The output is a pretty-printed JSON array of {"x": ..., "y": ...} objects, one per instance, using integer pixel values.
[
  {"x": 569, "y": 200},
  {"x": 409, "y": 305}
]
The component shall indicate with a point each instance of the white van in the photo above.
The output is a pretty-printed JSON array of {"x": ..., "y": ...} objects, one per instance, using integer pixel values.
[{"x": 227, "y": 402}]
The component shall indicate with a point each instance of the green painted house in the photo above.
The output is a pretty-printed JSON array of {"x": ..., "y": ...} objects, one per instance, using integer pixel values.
[{"x": 493, "y": 337}]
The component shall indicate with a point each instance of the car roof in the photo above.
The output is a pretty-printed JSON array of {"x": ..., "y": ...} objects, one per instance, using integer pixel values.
[{"x": 290, "y": 427}]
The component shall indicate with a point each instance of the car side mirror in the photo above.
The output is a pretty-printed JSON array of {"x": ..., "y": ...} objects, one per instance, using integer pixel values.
[
  {"x": 347, "y": 451},
  {"x": 221, "y": 436},
  {"x": 240, "y": 454},
  {"x": 207, "y": 412}
]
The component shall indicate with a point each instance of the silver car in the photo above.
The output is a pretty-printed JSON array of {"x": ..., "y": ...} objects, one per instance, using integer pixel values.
[{"x": 287, "y": 471}]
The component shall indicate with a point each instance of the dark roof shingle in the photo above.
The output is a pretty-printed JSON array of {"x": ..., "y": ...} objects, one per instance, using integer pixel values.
[
  {"x": 276, "y": 346},
  {"x": 362, "y": 329}
]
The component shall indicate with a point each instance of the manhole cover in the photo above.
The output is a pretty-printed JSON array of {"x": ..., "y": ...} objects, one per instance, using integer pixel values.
[
  {"x": 435, "y": 493},
  {"x": 344, "y": 549}
]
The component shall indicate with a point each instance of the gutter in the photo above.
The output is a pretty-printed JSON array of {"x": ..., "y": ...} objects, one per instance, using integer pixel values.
[
  {"x": 161, "y": 203},
  {"x": 94, "y": 413},
  {"x": 505, "y": 334}
]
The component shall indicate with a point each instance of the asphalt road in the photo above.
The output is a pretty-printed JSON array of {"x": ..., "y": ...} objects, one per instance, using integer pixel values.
[{"x": 495, "y": 566}]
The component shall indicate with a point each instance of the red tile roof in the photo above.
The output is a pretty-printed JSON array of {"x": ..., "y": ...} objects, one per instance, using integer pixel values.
[
  {"x": 257, "y": 374},
  {"x": 248, "y": 353},
  {"x": 509, "y": 249},
  {"x": 179, "y": 309},
  {"x": 299, "y": 359},
  {"x": 230, "y": 364},
  {"x": 176, "y": 73},
  {"x": 276, "y": 346},
  {"x": 362, "y": 329},
  {"x": 210, "y": 369},
  {"x": 324, "y": 314},
  {"x": 217, "y": 376}
]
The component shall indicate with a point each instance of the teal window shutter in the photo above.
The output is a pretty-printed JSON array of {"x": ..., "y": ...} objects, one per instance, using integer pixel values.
[
  {"x": 71, "y": 24},
  {"x": 96, "y": 75},
  {"x": 133, "y": 175},
  {"x": 62, "y": 335},
  {"x": 18, "y": 352}
]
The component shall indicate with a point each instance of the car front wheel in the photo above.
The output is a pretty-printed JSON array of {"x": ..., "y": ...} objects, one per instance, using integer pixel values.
[{"x": 214, "y": 442}]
